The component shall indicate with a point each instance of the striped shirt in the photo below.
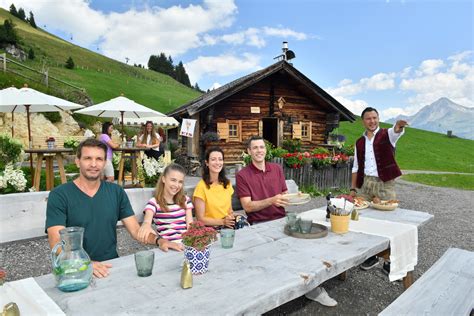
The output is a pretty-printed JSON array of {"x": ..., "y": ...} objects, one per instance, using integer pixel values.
[{"x": 169, "y": 225}]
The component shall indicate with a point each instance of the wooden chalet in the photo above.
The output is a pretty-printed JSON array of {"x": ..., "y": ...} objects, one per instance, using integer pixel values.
[{"x": 278, "y": 103}]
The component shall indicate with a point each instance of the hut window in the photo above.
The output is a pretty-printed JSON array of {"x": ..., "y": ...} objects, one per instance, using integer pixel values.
[
  {"x": 233, "y": 130},
  {"x": 230, "y": 130},
  {"x": 306, "y": 131}
]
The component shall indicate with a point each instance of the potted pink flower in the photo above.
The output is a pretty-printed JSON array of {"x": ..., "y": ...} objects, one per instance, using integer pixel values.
[
  {"x": 50, "y": 141},
  {"x": 197, "y": 241}
]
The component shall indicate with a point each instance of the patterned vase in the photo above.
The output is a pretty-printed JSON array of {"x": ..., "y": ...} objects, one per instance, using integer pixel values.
[{"x": 198, "y": 259}]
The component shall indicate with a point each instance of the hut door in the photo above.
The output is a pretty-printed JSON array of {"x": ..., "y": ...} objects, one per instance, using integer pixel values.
[{"x": 270, "y": 130}]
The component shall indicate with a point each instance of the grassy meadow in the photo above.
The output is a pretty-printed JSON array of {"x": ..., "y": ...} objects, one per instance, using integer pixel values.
[
  {"x": 103, "y": 78},
  {"x": 458, "y": 181}
]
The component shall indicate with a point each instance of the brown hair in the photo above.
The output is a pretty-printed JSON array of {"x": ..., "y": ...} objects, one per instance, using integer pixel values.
[
  {"x": 91, "y": 142},
  {"x": 206, "y": 176},
  {"x": 153, "y": 138},
  {"x": 179, "y": 198}
]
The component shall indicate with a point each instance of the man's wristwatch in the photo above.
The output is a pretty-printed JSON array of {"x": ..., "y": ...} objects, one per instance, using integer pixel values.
[
  {"x": 158, "y": 237},
  {"x": 353, "y": 189}
]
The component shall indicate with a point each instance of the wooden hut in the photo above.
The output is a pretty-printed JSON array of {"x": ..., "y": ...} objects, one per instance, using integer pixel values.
[{"x": 278, "y": 103}]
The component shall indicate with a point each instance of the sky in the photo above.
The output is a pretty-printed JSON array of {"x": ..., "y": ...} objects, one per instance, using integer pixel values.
[{"x": 396, "y": 56}]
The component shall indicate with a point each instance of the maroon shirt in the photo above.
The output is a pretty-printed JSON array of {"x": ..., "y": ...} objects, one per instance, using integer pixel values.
[
  {"x": 259, "y": 185},
  {"x": 387, "y": 167}
]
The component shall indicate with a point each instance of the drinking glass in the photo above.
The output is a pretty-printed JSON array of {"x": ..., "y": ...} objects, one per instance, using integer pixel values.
[
  {"x": 292, "y": 221},
  {"x": 144, "y": 261},
  {"x": 227, "y": 238},
  {"x": 305, "y": 225}
]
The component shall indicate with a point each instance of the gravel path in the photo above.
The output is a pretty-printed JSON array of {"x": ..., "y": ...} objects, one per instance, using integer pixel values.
[{"x": 363, "y": 293}]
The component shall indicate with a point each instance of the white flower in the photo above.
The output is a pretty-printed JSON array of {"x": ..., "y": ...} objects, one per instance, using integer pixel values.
[
  {"x": 152, "y": 166},
  {"x": 14, "y": 177}
]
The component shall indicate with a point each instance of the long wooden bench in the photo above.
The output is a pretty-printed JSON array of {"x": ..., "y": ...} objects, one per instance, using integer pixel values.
[{"x": 447, "y": 288}]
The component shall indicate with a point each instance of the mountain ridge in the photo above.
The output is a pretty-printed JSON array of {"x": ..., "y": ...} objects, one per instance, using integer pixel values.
[{"x": 442, "y": 116}]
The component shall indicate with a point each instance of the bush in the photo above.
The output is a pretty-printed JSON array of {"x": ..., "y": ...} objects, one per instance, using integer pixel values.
[
  {"x": 320, "y": 151},
  {"x": 11, "y": 150},
  {"x": 279, "y": 152},
  {"x": 69, "y": 63},
  {"x": 292, "y": 145},
  {"x": 53, "y": 117}
]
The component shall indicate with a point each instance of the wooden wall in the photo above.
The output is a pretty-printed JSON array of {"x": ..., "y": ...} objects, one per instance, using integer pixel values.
[{"x": 298, "y": 107}]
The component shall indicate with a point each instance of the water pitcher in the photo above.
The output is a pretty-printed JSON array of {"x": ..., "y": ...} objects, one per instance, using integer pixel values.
[{"x": 72, "y": 268}]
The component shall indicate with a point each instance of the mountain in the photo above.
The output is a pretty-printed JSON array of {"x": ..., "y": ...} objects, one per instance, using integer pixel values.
[
  {"x": 441, "y": 116},
  {"x": 102, "y": 78}
]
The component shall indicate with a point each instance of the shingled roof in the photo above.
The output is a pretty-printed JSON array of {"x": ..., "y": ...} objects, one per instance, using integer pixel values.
[{"x": 212, "y": 97}]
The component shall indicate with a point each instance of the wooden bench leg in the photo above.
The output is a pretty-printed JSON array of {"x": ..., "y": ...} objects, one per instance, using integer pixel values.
[
  {"x": 120, "y": 175},
  {"x": 59, "y": 159}
]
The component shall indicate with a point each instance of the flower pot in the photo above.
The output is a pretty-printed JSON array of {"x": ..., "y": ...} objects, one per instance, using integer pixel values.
[
  {"x": 50, "y": 145},
  {"x": 129, "y": 144},
  {"x": 340, "y": 224},
  {"x": 198, "y": 259}
]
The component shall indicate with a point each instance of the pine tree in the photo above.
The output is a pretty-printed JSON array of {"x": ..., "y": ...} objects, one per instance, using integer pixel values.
[
  {"x": 13, "y": 10},
  {"x": 21, "y": 14},
  {"x": 32, "y": 20},
  {"x": 31, "y": 54},
  {"x": 69, "y": 63},
  {"x": 7, "y": 33}
]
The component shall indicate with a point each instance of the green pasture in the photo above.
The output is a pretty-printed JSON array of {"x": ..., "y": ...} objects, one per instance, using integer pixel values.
[{"x": 457, "y": 181}]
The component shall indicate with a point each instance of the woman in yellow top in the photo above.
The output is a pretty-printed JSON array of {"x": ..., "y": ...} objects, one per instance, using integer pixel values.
[{"x": 213, "y": 194}]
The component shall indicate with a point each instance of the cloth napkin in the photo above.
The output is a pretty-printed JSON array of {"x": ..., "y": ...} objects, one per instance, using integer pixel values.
[
  {"x": 403, "y": 239},
  {"x": 30, "y": 298}
]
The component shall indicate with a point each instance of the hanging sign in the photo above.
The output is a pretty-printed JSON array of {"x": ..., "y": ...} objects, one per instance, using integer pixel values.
[{"x": 187, "y": 127}]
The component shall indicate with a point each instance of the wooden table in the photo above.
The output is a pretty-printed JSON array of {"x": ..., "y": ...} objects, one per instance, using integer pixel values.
[
  {"x": 128, "y": 153},
  {"x": 264, "y": 269},
  {"x": 49, "y": 155}
]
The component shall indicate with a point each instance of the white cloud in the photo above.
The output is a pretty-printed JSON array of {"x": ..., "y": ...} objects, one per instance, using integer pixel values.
[
  {"x": 222, "y": 65},
  {"x": 355, "y": 106},
  {"x": 215, "y": 85},
  {"x": 254, "y": 36},
  {"x": 134, "y": 34},
  {"x": 380, "y": 81},
  {"x": 430, "y": 67},
  {"x": 392, "y": 112}
]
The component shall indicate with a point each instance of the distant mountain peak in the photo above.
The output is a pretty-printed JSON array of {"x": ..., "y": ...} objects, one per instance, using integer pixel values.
[{"x": 441, "y": 116}]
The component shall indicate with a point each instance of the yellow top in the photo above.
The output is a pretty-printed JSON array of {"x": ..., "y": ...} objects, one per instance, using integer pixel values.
[{"x": 218, "y": 200}]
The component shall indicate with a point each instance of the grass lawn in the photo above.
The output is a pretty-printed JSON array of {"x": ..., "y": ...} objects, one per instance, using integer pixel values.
[
  {"x": 422, "y": 150},
  {"x": 457, "y": 181}
]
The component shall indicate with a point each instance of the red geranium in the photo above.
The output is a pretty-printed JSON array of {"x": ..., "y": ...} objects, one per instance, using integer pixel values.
[{"x": 199, "y": 236}]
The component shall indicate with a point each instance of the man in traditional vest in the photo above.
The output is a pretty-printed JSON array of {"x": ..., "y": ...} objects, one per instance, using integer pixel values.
[{"x": 375, "y": 168}]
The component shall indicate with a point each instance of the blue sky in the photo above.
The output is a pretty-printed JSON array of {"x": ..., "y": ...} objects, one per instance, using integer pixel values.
[{"x": 394, "y": 55}]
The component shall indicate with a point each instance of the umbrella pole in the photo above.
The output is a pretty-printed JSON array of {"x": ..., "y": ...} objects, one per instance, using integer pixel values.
[
  {"x": 29, "y": 144},
  {"x": 13, "y": 118},
  {"x": 121, "y": 113}
]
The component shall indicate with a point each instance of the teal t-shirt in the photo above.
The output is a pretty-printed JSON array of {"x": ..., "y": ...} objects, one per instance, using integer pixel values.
[{"x": 98, "y": 215}]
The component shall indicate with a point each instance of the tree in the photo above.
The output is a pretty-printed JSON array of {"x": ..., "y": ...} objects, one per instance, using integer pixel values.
[
  {"x": 69, "y": 63},
  {"x": 7, "y": 33},
  {"x": 31, "y": 54},
  {"x": 21, "y": 14},
  {"x": 13, "y": 10},
  {"x": 181, "y": 75},
  {"x": 196, "y": 87},
  {"x": 32, "y": 20}
]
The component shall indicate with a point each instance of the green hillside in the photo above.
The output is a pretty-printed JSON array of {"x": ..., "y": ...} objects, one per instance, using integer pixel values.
[
  {"x": 423, "y": 150},
  {"x": 102, "y": 77}
]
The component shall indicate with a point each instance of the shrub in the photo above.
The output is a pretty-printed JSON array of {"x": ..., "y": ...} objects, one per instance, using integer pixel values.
[
  {"x": 279, "y": 152},
  {"x": 320, "y": 150},
  {"x": 12, "y": 180},
  {"x": 11, "y": 150},
  {"x": 69, "y": 63},
  {"x": 53, "y": 117},
  {"x": 292, "y": 145}
]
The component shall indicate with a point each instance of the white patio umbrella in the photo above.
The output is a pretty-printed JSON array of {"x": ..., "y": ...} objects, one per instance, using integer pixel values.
[
  {"x": 162, "y": 121},
  {"x": 30, "y": 100},
  {"x": 120, "y": 107}
]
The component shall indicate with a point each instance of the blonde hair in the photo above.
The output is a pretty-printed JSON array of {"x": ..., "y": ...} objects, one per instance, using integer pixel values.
[{"x": 179, "y": 198}]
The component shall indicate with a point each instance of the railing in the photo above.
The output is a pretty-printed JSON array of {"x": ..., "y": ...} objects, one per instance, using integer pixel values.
[{"x": 328, "y": 177}]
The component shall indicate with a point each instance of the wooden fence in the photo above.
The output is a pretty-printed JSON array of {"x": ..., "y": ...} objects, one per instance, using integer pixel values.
[{"x": 329, "y": 177}]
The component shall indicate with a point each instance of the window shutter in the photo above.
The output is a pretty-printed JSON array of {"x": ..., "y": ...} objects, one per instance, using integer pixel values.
[
  {"x": 310, "y": 131},
  {"x": 223, "y": 130},
  {"x": 239, "y": 132},
  {"x": 296, "y": 130}
]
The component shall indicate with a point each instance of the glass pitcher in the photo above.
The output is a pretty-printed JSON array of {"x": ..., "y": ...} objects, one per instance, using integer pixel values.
[{"x": 72, "y": 268}]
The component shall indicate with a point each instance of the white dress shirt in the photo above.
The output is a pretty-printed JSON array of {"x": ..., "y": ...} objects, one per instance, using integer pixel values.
[{"x": 370, "y": 166}]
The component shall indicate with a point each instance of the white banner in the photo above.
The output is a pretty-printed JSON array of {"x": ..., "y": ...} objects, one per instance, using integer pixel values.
[{"x": 187, "y": 127}]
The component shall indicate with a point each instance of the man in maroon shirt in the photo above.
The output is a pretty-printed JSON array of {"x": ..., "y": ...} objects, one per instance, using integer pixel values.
[{"x": 261, "y": 187}]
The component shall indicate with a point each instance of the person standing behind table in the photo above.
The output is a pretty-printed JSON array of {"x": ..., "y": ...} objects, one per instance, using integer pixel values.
[
  {"x": 96, "y": 206},
  {"x": 213, "y": 194},
  {"x": 151, "y": 141},
  {"x": 170, "y": 208},
  {"x": 162, "y": 134},
  {"x": 106, "y": 138},
  {"x": 261, "y": 187},
  {"x": 375, "y": 168}
]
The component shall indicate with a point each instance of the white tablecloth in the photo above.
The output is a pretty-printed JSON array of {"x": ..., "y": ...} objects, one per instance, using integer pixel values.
[{"x": 403, "y": 239}]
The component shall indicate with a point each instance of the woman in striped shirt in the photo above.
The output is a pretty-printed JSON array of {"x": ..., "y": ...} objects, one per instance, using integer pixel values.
[{"x": 170, "y": 209}]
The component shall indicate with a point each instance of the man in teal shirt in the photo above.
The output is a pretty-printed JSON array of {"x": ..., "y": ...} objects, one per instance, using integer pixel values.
[{"x": 96, "y": 206}]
